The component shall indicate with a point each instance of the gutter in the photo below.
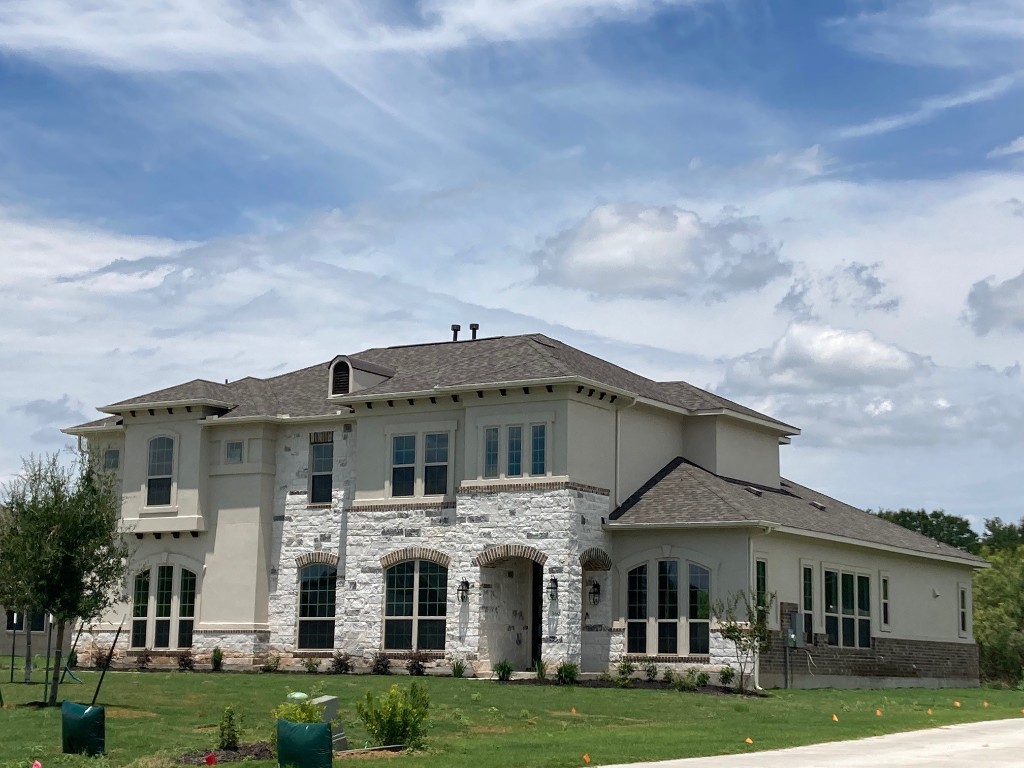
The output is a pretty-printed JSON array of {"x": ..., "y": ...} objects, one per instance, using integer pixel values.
[
  {"x": 768, "y": 527},
  {"x": 117, "y": 409},
  {"x": 968, "y": 561}
]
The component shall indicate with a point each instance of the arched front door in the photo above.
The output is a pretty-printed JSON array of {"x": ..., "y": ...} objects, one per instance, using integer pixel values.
[{"x": 511, "y": 603}]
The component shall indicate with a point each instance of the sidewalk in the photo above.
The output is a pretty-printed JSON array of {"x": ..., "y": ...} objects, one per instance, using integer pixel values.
[{"x": 993, "y": 744}]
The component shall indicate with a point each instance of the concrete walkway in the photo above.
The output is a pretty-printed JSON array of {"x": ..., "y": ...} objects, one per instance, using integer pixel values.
[{"x": 993, "y": 744}]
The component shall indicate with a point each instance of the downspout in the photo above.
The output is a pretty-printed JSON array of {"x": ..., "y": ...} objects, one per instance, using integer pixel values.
[
  {"x": 750, "y": 585},
  {"x": 618, "y": 448}
]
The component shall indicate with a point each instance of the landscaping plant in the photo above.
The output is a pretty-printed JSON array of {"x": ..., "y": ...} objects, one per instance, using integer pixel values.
[
  {"x": 186, "y": 661},
  {"x": 567, "y": 672},
  {"x": 216, "y": 659},
  {"x": 458, "y": 667},
  {"x": 311, "y": 665},
  {"x": 726, "y": 676},
  {"x": 398, "y": 717},
  {"x": 270, "y": 663},
  {"x": 503, "y": 669},
  {"x": 304, "y": 711},
  {"x": 341, "y": 663},
  {"x": 228, "y": 730},
  {"x": 381, "y": 664},
  {"x": 541, "y": 668},
  {"x": 651, "y": 671},
  {"x": 749, "y": 633}
]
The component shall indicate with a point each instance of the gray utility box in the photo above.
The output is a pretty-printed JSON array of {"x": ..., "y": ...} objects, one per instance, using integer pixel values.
[{"x": 339, "y": 741}]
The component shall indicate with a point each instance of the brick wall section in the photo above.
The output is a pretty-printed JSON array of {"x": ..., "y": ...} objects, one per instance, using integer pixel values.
[{"x": 888, "y": 657}]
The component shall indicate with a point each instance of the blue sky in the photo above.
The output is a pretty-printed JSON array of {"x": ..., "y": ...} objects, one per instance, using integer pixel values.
[{"x": 814, "y": 208}]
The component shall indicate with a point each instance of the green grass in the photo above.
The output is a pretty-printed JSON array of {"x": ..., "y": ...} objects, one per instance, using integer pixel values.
[{"x": 154, "y": 717}]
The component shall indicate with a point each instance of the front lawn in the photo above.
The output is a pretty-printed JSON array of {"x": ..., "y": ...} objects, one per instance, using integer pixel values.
[{"x": 153, "y": 717}]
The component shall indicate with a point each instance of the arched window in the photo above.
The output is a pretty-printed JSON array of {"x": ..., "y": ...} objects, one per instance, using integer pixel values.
[
  {"x": 160, "y": 472},
  {"x": 163, "y": 607},
  {"x": 415, "y": 605},
  {"x": 655, "y": 618},
  {"x": 317, "y": 585}
]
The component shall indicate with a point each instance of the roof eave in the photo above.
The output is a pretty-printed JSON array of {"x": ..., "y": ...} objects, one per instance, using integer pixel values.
[
  {"x": 118, "y": 408},
  {"x": 280, "y": 418},
  {"x": 767, "y": 423},
  {"x": 709, "y": 524},
  {"x": 968, "y": 560},
  {"x": 86, "y": 431}
]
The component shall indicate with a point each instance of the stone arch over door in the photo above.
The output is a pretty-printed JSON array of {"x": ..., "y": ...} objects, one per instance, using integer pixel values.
[
  {"x": 595, "y": 559},
  {"x": 496, "y": 554}
]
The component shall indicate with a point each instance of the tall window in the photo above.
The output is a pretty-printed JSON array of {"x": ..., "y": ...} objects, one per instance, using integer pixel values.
[
  {"x": 660, "y": 632},
  {"x": 847, "y": 609},
  {"x": 317, "y": 586},
  {"x": 161, "y": 470},
  {"x": 884, "y": 618},
  {"x": 962, "y": 610},
  {"x": 538, "y": 449},
  {"x": 700, "y": 609},
  {"x": 163, "y": 607},
  {"x": 403, "y": 465},
  {"x": 321, "y": 467},
  {"x": 761, "y": 588},
  {"x": 807, "y": 604},
  {"x": 636, "y": 613},
  {"x": 415, "y": 606},
  {"x": 514, "y": 453},
  {"x": 435, "y": 464},
  {"x": 491, "y": 441},
  {"x": 234, "y": 451}
]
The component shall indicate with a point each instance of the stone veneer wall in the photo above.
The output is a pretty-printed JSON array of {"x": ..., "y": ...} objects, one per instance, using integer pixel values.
[{"x": 913, "y": 661}]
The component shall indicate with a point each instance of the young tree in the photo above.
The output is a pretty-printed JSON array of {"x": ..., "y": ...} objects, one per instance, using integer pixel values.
[
  {"x": 747, "y": 632},
  {"x": 999, "y": 615},
  {"x": 60, "y": 545},
  {"x": 937, "y": 524}
]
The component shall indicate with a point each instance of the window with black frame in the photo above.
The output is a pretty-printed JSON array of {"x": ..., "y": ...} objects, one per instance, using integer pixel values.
[
  {"x": 317, "y": 594},
  {"x": 415, "y": 606}
]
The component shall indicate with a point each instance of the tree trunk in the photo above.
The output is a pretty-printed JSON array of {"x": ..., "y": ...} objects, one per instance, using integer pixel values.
[
  {"x": 27, "y": 626},
  {"x": 56, "y": 664}
]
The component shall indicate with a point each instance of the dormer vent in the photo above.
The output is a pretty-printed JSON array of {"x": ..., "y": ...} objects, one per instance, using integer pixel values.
[
  {"x": 341, "y": 378},
  {"x": 818, "y": 505},
  {"x": 751, "y": 489}
]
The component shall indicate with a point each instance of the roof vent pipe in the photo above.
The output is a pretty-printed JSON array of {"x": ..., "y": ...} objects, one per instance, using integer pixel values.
[
  {"x": 474, "y": 327},
  {"x": 455, "y": 331}
]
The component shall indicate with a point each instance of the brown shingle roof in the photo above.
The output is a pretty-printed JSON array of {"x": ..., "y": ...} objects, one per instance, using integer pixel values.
[
  {"x": 427, "y": 367},
  {"x": 683, "y": 493}
]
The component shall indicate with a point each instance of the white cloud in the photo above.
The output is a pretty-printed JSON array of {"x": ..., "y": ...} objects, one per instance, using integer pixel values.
[
  {"x": 661, "y": 252},
  {"x": 1015, "y": 147},
  {"x": 816, "y": 357},
  {"x": 930, "y": 108}
]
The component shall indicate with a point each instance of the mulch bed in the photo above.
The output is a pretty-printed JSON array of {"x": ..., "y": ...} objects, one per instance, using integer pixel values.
[
  {"x": 652, "y": 685},
  {"x": 258, "y": 751}
]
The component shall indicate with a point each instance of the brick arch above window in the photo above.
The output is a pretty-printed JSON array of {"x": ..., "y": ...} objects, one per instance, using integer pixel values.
[
  {"x": 314, "y": 558},
  {"x": 415, "y": 553},
  {"x": 493, "y": 555},
  {"x": 595, "y": 559}
]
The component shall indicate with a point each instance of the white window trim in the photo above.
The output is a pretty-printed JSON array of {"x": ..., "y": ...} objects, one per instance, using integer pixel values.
[
  {"x": 527, "y": 421},
  {"x": 175, "y": 466},
  {"x": 419, "y": 431},
  {"x": 178, "y": 563},
  {"x": 855, "y": 572},
  {"x": 883, "y": 625},
  {"x": 312, "y": 474},
  {"x": 963, "y": 593},
  {"x": 682, "y": 619}
]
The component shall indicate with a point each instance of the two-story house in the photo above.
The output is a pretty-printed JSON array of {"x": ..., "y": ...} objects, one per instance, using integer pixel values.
[{"x": 505, "y": 498}]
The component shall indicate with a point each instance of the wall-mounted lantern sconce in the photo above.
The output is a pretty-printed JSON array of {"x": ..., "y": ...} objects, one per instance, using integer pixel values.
[
  {"x": 553, "y": 589},
  {"x": 463, "y": 591},
  {"x": 595, "y": 593}
]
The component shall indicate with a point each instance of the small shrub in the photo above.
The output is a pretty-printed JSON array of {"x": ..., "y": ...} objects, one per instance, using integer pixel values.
[
  {"x": 503, "y": 669},
  {"x": 341, "y": 663},
  {"x": 186, "y": 661},
  {"x": 142, "y": 660},
  {"x": 687, "y": 681},
  {"x": 458, "y": 667},
  {"x": 98, "y": 656},
  {"x": 306, "y": 711},
  {"x": 270, "y": 663},
  {"x": 703, "y": 678},
  {"x": 567, "y": 673},
  {"x": 541, "y": 668},
  {"x": 626, "y": 668},
  {"x": 228, "y": 731},
  {"x": 381, "y": 664},
  {"x": 417, "y": 664},
  {"x": 311, "y": 665},
  {"x": 399, "y": 717},
  {"x": 668, "y": 675},
  {"x": 651, "y": 671},
  {"x": 217, "y": 659},
  {"x": 726, "y": 676}
]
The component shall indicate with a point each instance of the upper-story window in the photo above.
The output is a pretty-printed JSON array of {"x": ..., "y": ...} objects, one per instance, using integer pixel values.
[
  {"x": 234, "y": 452},
  {"x": 111, "y": 459},
  {"x": 503, "y": 450},
  {"x": 420, "y": 461},
  {"x": 321, "y": 467},
  {"x": 161, "y": 472}
]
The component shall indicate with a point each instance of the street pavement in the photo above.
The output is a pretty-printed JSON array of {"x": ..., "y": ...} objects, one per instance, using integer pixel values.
[{"x": 992, "y": 744}]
